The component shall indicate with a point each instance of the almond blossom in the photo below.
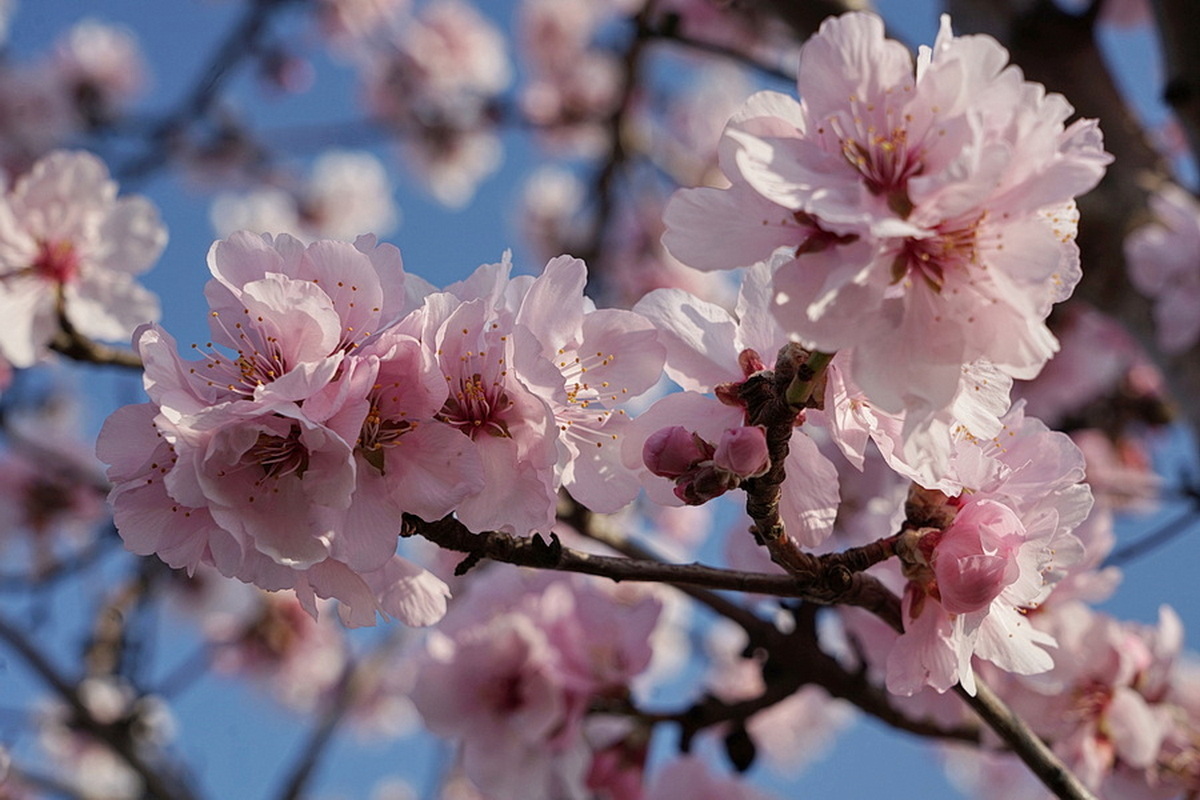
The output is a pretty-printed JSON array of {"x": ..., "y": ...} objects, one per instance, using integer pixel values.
[
  {"x": 69, "y": 246},
  {"x": 928, "y": 214},
  {"x": 977, "y": 563}
]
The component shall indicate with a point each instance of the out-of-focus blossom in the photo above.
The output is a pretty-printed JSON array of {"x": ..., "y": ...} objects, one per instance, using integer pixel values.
[
  {"x": 512, "y": 672},
  {"x": 36, "y": 116},
  {"x": 1164, "y": 264},
  {"x": 347, "y": 195},
  {"x": 51, "y": 492},
  {"x": 432, "y": 80},
  {"x": 91, "y": 767},
  {"x": 688, "y": 778},
  {"x": 572, "y": 86},
  {"x": 347, "y": 22},
  {"x": 69, "y": 245},
  {"x": 101, "y": 69}
]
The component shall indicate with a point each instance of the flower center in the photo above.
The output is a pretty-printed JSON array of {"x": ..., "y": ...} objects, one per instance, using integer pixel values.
[
  {"x": 477, "y": 407},
  {"x": 931, "y": 259},
  {"x": 56, "y": 261},
  {"x": 280, "y": 456}
]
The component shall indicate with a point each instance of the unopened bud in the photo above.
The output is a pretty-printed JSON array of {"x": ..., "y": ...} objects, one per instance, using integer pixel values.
[
  {"x": 743, "y": 451},
  {"x": 672, "y": 452}
]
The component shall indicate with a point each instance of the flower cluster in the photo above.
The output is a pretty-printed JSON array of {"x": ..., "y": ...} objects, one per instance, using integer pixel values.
[
  {"x": 927, "y": 216},
  {"x": 338, "y": 394}
]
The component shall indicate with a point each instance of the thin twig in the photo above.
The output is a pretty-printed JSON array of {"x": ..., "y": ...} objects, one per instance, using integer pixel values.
[
  {"x": 1172, "y": 529},
  {"x": 1040, "y": 759},
  {"x": 319, "y": 738}
]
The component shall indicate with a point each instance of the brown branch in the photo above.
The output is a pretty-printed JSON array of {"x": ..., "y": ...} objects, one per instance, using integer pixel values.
[
  {"x": 451, "y": 534},
  {"x": 73, "y": 344},
  {"x": 1040, "y": 759},
  {"x": 804, "y": 18}
]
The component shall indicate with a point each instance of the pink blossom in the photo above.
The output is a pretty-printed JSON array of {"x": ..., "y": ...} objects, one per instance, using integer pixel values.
[
  {"x": 977, "y": 564},
  {"x": 604, "y": 358},
  {"x": 347, "y": 195},
  {"x": 63, "y": 230},
  {"x": 472, "y": 330},
  {"x": 935, "y": 205},
  {"x": 497, "y": 689},
  {"x": 252, "y": 461},
  {"x": 101, "y": 67},
  {"x": 1163, "y": 265},
  {"x": 975, "y": 558}
]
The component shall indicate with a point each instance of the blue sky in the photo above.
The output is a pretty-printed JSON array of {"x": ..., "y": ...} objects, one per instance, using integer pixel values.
[{"x": 234, "y": 736}]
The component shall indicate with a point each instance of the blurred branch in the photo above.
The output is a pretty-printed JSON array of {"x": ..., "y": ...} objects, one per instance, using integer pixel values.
[
  {"x": 1178, "y": 22},
  {"x": 241, "y": 43},
  {"x": 1170, "y": 530},
  {"x": 320, "y": 736},
  {"x": 73, "y": 344},
  {"x": 805, "y": 17},
  {"x": 161, "y": 785},
  {"x": 666, "y": 34}
]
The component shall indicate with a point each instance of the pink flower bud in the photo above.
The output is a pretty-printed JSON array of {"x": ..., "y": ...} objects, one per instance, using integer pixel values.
[
  {"x": 743, "y": 451},
  {"x": 672, "y": 452},
  {"x": 976, "y": 557}
]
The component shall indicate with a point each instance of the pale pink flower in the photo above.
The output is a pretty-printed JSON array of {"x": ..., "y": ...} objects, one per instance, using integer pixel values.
[
  {"x": 978, "y": 563},
  {"x": 472, "y": 329},
  {"x": 497, "y": 688},
  {"x": 604, "y": 358},
  {"x": 1164, "y": 264},
  {"x": 917, "y": 445},
  {"x": 1106, "y": 704},
  {"x": 64, "y": 233},
  {"x": 928, "y": 215},
  {"x": 251, "y": 462}
]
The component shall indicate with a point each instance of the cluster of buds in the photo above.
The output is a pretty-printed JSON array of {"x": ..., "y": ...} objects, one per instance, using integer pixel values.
[{"x": 702, "y": 470}]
